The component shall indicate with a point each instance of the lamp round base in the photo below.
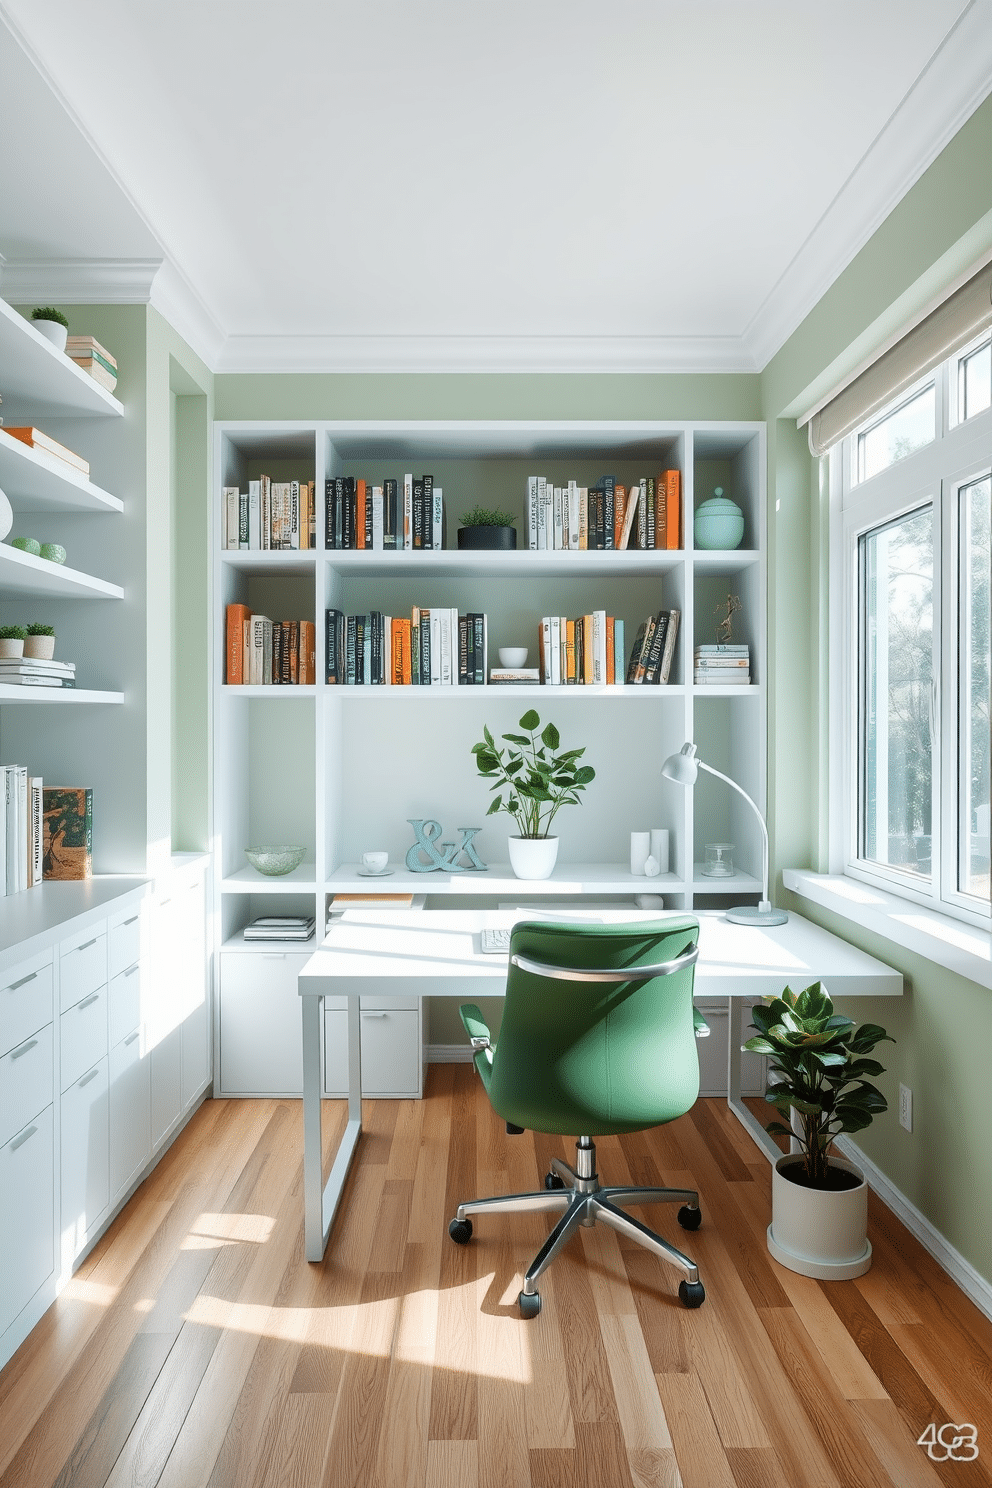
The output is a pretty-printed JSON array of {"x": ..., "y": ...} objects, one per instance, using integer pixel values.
[{"x": 750, "y": 914}]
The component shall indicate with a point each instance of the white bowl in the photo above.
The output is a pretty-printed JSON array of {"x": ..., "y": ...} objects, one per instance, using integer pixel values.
[{"x": 513, "y": 656}]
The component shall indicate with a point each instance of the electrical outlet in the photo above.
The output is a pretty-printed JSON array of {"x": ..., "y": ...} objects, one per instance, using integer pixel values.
[{"x": 906, "y": 1107}]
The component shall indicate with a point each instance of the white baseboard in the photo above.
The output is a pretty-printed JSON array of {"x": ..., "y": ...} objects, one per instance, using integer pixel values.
[
  {"x": 961, "y": 1271},
  {"x": 449, "y": 1054}
]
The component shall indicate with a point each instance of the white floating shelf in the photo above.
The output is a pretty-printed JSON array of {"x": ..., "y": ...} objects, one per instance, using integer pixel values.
[
  {"x": 23, "y": 573},
  {"x": 34, "y": 481},
  {"x": 38, "y": 377},
  {"x": 568, "y": 878},
  {"x": 63, "y": 696},
  {"x": 248, "y": 880}
]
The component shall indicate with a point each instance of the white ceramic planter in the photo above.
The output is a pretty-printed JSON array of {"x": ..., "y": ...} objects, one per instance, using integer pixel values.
[
  {"x": 53, "y": 331},
  {"x": 533, "y": 857},
  {"x": 820, "y": 1234},
  {"x": 42, "y": 647},
  {"x": 11, "y": 650}
]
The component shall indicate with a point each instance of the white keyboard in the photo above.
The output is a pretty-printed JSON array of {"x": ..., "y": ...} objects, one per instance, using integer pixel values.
[{"x": 496, "y": 942}]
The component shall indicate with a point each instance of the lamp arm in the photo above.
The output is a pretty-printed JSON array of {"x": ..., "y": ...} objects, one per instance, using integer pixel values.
[{"x": 765, "y": 901}]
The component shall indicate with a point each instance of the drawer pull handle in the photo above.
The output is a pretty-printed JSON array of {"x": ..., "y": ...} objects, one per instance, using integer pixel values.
[
  {"x": 25, "y": 1135},
  {"x": 88, "y": 1077},
  {"x": 130, "y": 921},
  {"x": 89, "y": 1001},
  {"x": 87, "y": 943},
  {"x": 24, "y": 1049},
  {"x": 131, "y": 969},
  {"x": 132, "y": 1036},
  {"x": 273, "y": 955},
  {"x": 13, "y": 986},
  {"x": 375, "y": 1015}
]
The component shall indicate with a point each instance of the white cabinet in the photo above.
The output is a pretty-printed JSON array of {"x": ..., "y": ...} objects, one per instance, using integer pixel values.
[
  {"x": 175, "y": 996},
  {"x": 129, "y": 1112},
  {"x": 85, "y": 1127},
  {"x": 261, "y": 1022},
  {"x": 27, "y": 1215},
  {"x": 392, "y": 1046}
]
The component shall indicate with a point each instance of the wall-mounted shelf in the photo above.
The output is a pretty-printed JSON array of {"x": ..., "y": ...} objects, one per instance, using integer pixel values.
[
  {"x": 24, "y": 574},
  {"x": 62, "y": 696},
  {"x": 34, "y": 481},
  {"x": 44, "y": 382}
]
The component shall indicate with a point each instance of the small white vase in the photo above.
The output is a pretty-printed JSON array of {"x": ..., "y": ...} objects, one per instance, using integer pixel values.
[
  {"x": 53, "y": 331},
  {"x": 11, "y": 650},
  {"x": 533, "y": 857},
  {"x": 6, "y": 515},
  {"x": 40, "y": 647},
  {"x": 817, "y": 1233}
]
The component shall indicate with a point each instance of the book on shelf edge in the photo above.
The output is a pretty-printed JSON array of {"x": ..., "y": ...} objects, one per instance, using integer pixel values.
[
  {"x": 68, "y": 832},
  {"x": 673, "y": 509},
  {"x": 36, "y": 439},
  {"x": 652, "y": 666},
  {"x": 668, "y": 655},
  {"x": 89, "y": 346}
]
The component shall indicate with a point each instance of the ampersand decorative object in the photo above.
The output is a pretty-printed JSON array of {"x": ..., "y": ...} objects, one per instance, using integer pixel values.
[{"x": 441, "y": 857}]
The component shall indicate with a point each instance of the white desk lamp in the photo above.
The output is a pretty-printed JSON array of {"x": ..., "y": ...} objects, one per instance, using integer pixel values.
[{"x": 683, "y": 768}]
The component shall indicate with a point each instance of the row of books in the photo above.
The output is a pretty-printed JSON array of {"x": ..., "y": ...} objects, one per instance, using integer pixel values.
[
  {"x": 433, "y": 648},
  {"x": 269, "y": 515},
  {"x": 30, "y": 671},
  {"x": 653, "y": 650},
  {"x": 36, "y": 439},
  {"x": 48, "y": 831},
  {"x": 646, "y": 514},
  {"x": 360, "y": 514},
  {"x": 585, "y": 651},
  {"x": 262, "y": 653},
  {"x": 721, "y": 666},
  {"x": 94, "y": 359}
]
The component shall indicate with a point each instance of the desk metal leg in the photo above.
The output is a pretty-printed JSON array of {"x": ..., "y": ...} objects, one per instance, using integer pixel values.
[
  {"x": 736, "y": 1008},
  {"x": 320, "y": 1201}
]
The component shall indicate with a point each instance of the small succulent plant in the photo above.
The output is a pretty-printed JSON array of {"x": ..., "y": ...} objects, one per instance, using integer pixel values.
[
  {"x": 49, "y": 312},
  {"x": 37, "y": 629},
  {"x": 12, "y": 633},
  {"x": 484, "y": 516}
]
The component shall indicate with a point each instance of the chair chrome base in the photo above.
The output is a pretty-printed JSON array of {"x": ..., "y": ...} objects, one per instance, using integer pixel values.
[{"x": 586, "y": 1201}]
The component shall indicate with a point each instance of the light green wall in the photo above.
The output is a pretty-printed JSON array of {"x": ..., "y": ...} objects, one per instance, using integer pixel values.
[{"x": 943, "y": 1024}]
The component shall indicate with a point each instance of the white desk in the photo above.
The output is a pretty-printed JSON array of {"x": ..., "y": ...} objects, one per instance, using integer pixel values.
[{"x": 437, "y": 953}]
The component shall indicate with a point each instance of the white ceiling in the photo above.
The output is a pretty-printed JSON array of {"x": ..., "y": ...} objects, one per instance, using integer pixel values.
[{"x": 649, "y": 185}]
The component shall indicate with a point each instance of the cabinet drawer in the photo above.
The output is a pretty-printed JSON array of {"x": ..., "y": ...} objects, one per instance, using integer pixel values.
[
  {"x": 25, "y": 1001},
  {"x": 123, "y": 942},
  {"x": 392, "y": 1056},
  {"x": 125, "y": 1004},
  {"x": 85, "y": 1158},
  {"x": 25, "y": 1082},
  {"x": 27, "y": 1215},
  {"x": 82, "y": 967},
  {"x": 130, "y": 1112},
  {"x": 83, "y": 1036}
]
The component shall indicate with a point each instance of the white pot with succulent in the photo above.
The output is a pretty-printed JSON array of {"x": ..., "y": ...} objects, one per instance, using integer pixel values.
[
  {"x": 12, "y": 642},
  {"x": 39, "y": 642},
  {"x": 538, "y": 782},
  {"x": 52, "y": 324}
]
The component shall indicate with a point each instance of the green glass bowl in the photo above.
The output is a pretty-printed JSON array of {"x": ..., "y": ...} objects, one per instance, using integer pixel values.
[{"x": 274, "y": 861}]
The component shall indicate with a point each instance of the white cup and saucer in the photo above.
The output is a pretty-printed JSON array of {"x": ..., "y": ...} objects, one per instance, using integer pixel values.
[{"x": 375, "y": 865}]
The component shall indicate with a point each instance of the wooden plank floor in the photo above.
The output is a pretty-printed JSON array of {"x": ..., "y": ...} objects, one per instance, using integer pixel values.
[{"x": 195, "y": 1348}]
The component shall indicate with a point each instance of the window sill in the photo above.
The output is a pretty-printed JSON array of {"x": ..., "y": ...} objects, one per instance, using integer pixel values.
[{"x": 949, "y": 943}]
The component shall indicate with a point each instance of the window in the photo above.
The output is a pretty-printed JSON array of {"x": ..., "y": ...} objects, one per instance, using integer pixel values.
[{"x": 910, "y": 669}]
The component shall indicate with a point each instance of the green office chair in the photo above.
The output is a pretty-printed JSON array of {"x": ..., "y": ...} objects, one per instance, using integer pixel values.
[{"x": 597, "y": 1038}]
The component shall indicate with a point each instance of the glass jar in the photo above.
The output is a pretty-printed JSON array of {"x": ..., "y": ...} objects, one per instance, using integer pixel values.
[{"x": 719, "y": 860}]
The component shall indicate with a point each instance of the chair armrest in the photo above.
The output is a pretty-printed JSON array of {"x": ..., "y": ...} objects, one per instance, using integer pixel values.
[
  {"x": 699, "y": 1023},
  {"x": 475, "y": 1025}
]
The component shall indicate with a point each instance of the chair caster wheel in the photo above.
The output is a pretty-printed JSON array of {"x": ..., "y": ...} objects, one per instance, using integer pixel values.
[
  {"x": 690, "y": 1219},
  {"x": 460, "y": 1231},
  {"x": 529, "y": 1304},
  {"x": 691, "y": 1293},
  {"x": 552, "y": 1181}
]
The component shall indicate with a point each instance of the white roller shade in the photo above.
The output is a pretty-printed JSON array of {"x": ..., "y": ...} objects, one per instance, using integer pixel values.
[{"x": 961, "y": 317}]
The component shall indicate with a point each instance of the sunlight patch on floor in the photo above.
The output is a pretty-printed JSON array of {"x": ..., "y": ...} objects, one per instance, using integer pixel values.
[
  {"x": 78, "y": 1289},
  {"x": 211, "y": 1231}
]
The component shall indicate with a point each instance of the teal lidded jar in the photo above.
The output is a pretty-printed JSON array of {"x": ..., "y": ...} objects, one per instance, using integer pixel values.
[{"x": 718, "y": 523}]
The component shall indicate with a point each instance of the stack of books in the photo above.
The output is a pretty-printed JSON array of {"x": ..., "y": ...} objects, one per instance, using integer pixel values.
[
  {"x": 433, "y": 648},
  {"x": 280, "y": 927},
  {"x": 721, "y": 666},
  {"x": 359, "y": 514},
  {"x": 27, "y": 671},
  {"x": 647, "y": 514},
  {"x": 513, "y": 676},
  {"x": 269, "y": 515},
  {"x": 22, "y": 815},
  {"x": 653, "y": 651},
  {"x": 37, "y": 440},
  {"x": 268, "y": 653},
  {"x": 587, "y": 650},
  {"x": 95, "y": 359}
]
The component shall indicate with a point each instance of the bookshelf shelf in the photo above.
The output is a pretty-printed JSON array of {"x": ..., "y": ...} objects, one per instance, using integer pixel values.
[
  {"x": 23, "y": 573},
  {"x": 249, "y": 881},
  {"x": 397, "y": 696},
  {"x": 62, "y": 696},
  {"x": 567, "y": 879},
  {"x": 42, "y": 382},
  {"x": 727, "y": 888},
  {"x": 34, "y": 482}
]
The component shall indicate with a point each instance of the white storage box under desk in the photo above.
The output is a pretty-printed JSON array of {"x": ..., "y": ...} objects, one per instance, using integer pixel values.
[{"x": 392, "y": 1046}]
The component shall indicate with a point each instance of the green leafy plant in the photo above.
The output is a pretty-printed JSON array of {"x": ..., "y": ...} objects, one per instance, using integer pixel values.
[
  {"x": 49, "y": 312},
  {"x": 41, "y": 630},
  {"x": 537, "y": 781},
  {"x": 484, "y": 516},
  {"x": 818, "y": 1059},
  {"x": 12, "y": 633}
]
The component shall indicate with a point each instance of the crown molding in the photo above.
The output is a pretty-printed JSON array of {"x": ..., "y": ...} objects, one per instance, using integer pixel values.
[
  {"x": 178, "y": 303},
  {"x": 80, "y": 281},
  {"x": 956, "y": 80},
  {"x": 482, "y": 354}
]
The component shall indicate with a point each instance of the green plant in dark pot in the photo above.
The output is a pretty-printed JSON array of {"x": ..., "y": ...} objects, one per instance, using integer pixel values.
[{"x": 487, "y": 527}]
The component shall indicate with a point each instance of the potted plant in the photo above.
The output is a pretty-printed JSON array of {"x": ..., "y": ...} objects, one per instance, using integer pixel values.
[
  {"x": 820, "y": 1081},
  {"x": 52, "y": 324},
  {"x": 11, "y": 641},
  {"x": 40, "y": 642},
  {"x": 538, "y": 782},
  {"x": 483, "y": 527}
]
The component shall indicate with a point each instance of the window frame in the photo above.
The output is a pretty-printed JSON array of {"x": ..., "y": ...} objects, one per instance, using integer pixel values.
[{"x": 934, "y": 474}]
